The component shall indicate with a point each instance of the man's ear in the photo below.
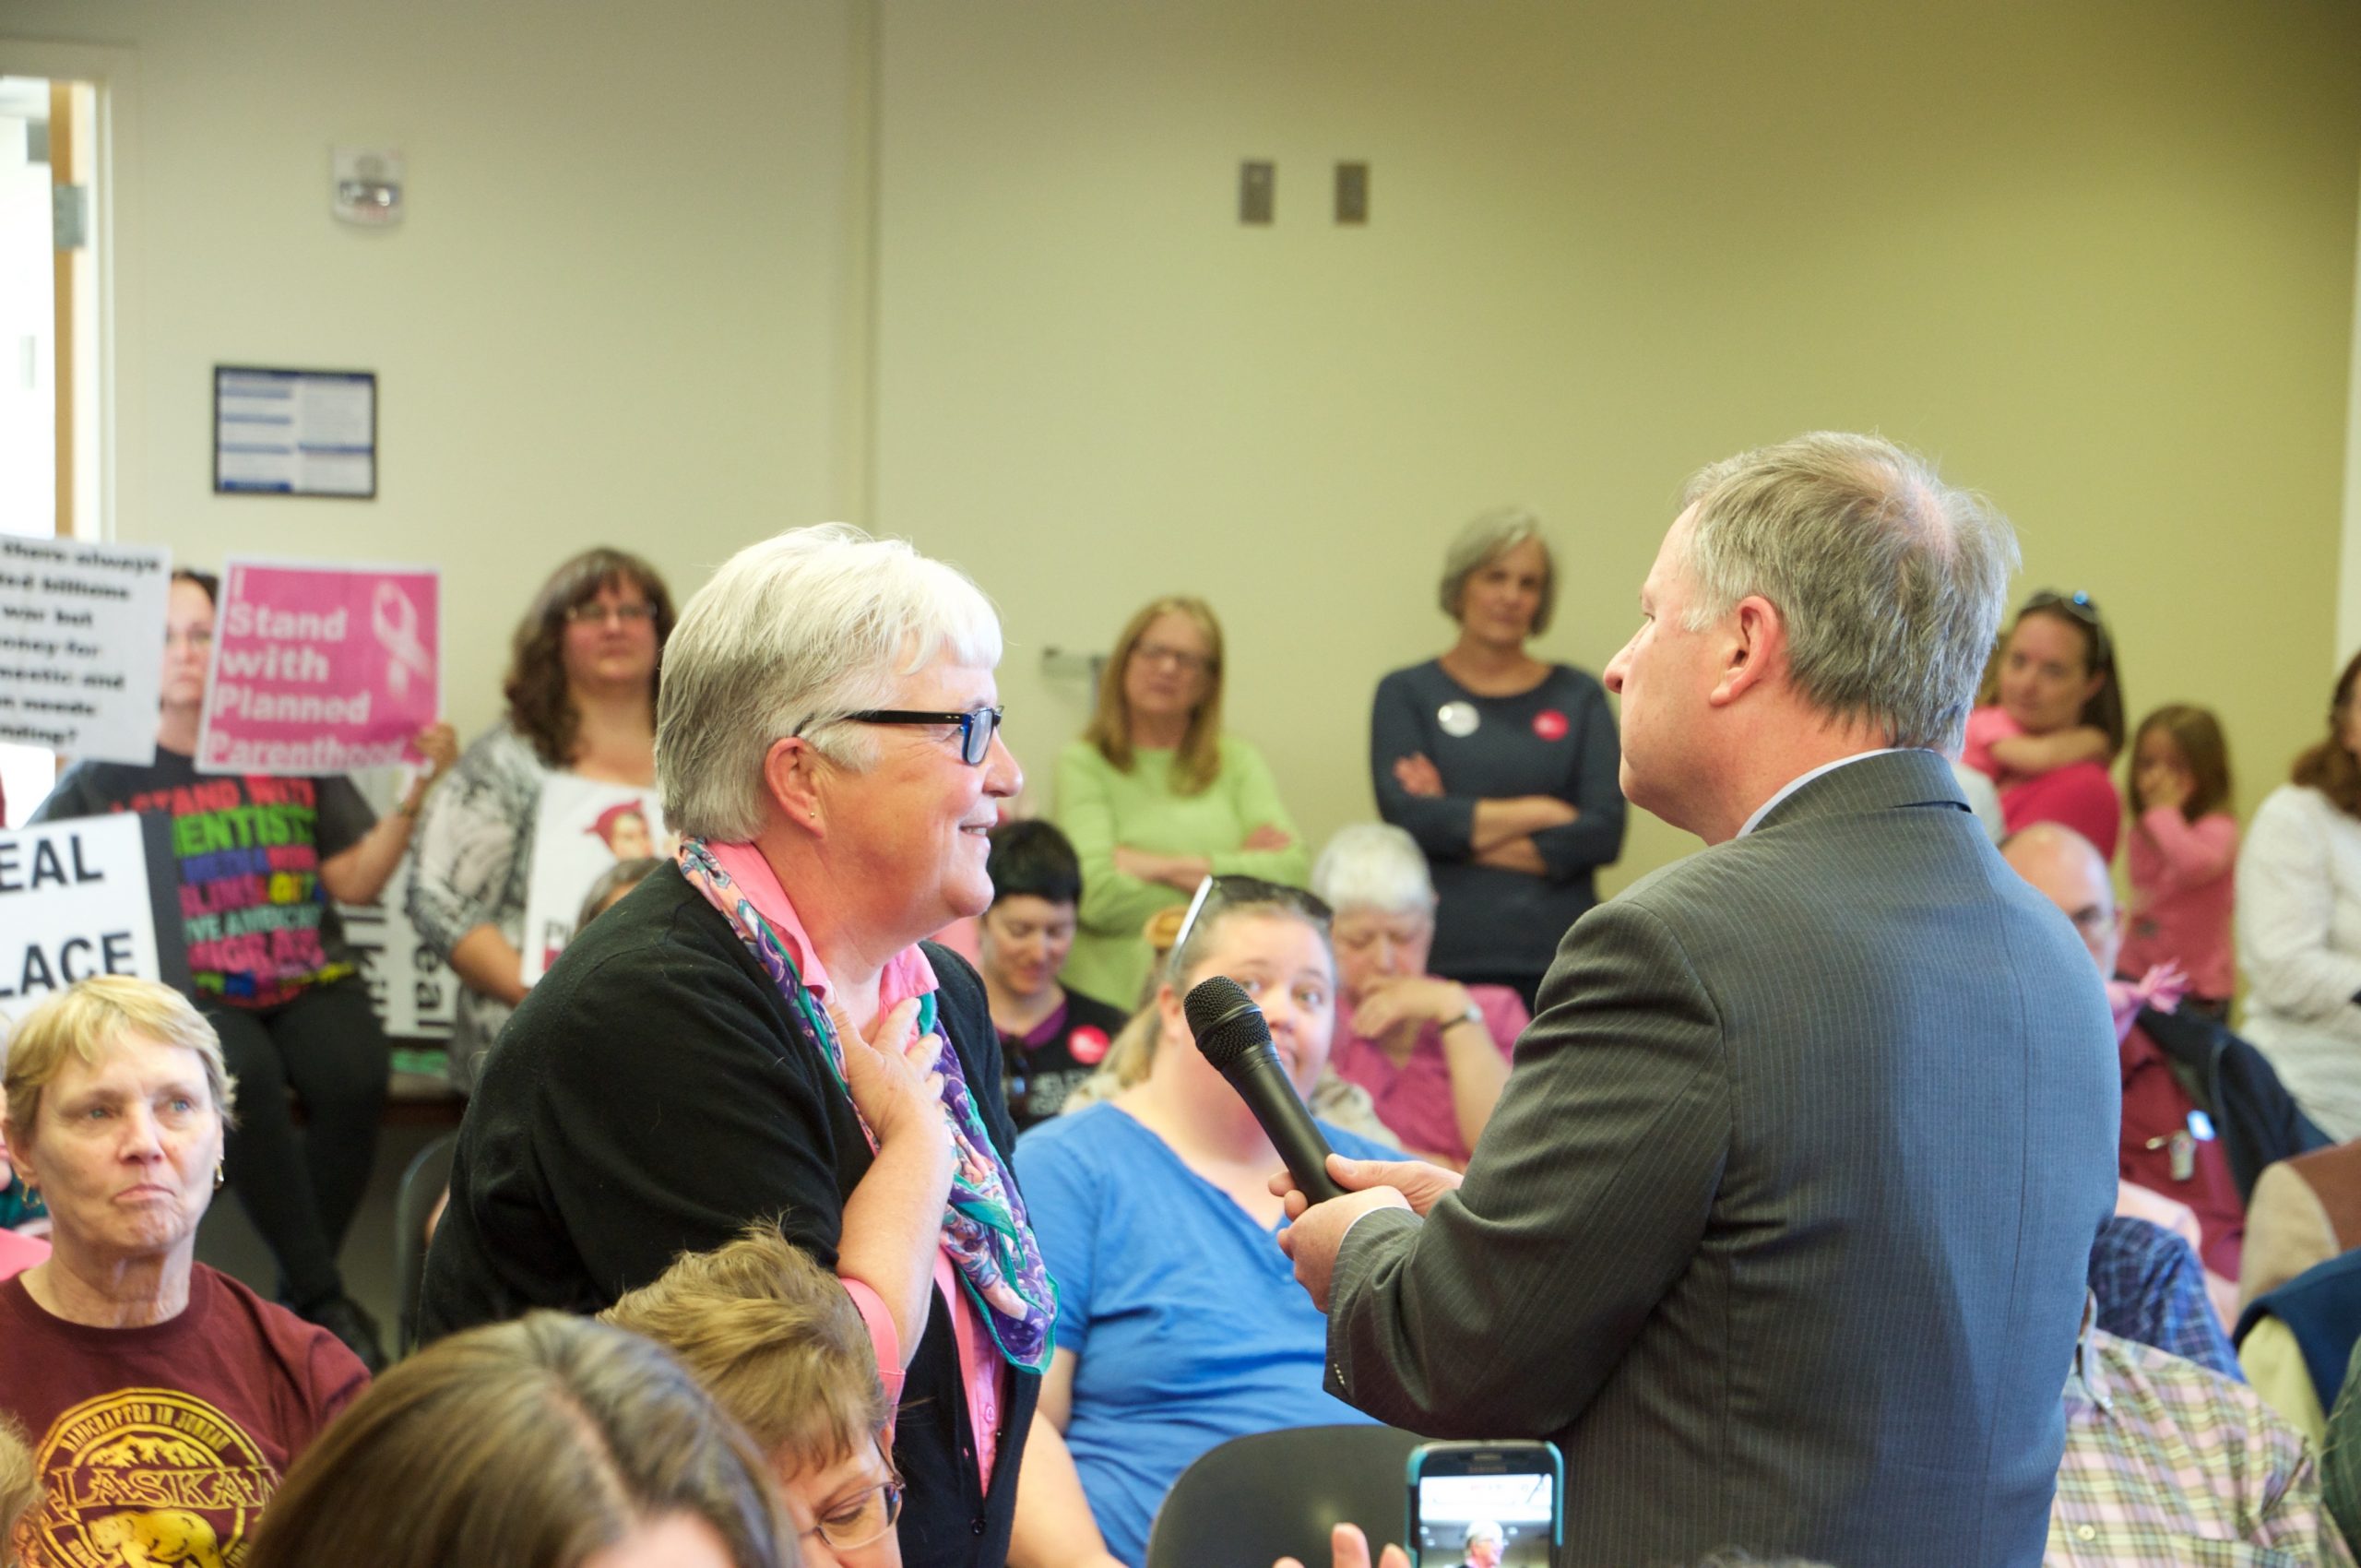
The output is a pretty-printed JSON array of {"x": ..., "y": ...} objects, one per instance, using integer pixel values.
[
  {"x": 1754, "y": 646},
  {"x": 793, "y": 778}
]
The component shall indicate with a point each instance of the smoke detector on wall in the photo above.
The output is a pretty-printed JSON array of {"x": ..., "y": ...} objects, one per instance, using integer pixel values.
[{"x": 368, "y": 186}]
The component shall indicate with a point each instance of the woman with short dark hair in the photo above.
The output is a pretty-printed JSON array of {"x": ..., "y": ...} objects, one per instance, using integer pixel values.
[
  {"x": 1052, "y": 1039},
  {"x": 583, "y": 674}
]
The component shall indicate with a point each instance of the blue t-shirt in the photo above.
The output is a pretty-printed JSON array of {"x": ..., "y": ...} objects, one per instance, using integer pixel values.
[{"x": 1186, "y": 1316}]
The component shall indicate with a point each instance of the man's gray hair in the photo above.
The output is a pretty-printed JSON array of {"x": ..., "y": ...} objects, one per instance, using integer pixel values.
[
  {"x": 1375, "y": 866},
  {"x": 1484, "y": 540},
  {"x": 1892, "y": 583},
  {"x": 791, "y": 635}
]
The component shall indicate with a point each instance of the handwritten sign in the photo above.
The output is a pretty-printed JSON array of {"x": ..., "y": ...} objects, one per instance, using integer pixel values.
[
  {"x": 74, "y": 903},
  {"x": 82, "y": 647},
  {"x": 320, "y": 669},
  {"x": 583, "y": 830}
]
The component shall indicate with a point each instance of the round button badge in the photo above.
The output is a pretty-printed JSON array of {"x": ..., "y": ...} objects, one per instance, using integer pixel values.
[
  {"x": 1458, "y": 720},
  {"x": 1550, "y": 724},
  {"x": 1088, "y": 1045}
]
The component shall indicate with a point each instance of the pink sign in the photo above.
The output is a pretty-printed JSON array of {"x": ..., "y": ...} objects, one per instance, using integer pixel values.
[{"x": 320, "y": 669}]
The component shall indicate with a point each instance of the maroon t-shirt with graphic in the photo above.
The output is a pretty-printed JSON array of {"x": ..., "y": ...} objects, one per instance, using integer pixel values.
[{"x": 162, "y": 1444}]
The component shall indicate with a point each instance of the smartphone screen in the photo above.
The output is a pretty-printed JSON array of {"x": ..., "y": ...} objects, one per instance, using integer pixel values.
[{"x": 1485, "y": 1504}]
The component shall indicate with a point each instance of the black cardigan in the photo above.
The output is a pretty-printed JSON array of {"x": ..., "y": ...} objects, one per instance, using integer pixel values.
[{"x": 651, "y": 1096}]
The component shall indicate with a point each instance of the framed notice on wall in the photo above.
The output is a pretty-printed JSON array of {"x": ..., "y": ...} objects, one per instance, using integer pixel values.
[{"x": 294, "y": 432}]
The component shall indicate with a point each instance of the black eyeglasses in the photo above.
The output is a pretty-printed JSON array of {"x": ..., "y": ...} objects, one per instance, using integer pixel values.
[
  {"x": 975, "y": 726},
  {"x": 2081, "y": 608},
  {"x": 591, "y": 611}
]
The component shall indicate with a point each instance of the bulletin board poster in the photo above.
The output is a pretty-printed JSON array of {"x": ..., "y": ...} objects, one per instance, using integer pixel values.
[
  {"x": 82, "y": 647},
  {"x": 294, "y": 432},
  {"x": 583, "y": 829},
  {"x": 320, "y": 669},
  {"x": 74, "y": 901}
]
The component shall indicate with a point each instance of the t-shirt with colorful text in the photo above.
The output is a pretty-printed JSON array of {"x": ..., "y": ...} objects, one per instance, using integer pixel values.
[{"x": 258, "y": 925}]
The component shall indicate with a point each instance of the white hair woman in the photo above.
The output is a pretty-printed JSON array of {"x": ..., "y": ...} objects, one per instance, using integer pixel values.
[
  {"x": 1432, "y": 1054},
  {"x": 122, "y": 1349},
  {"x": 758, "y": 1031},
  {"x": 1500, "y": 765}
]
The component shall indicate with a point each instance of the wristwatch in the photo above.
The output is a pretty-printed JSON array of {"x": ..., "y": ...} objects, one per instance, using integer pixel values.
[{"x": 1475, "y": 1015}]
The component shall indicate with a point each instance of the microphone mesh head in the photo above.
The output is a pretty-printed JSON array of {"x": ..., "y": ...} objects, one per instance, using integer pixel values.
[{"x": 1225, "y": 1021}]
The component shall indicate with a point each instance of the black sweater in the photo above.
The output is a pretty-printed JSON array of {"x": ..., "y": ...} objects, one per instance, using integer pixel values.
[{"x": 650, "y": 1098}]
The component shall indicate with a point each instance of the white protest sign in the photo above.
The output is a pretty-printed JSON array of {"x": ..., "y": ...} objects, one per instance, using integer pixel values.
[
  {"x": 414, "y": 990},
  {"x": 584, "y": 828},
  {"x": 82, "y": 646},
  {"x": 73, "y": 903}
]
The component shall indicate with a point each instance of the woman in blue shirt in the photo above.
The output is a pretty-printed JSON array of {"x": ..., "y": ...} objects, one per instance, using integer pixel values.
[{"x": 1179, "y": 1321}]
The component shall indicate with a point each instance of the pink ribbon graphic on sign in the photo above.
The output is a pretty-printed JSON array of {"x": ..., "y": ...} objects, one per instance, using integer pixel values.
[{"x": 394, "y": 621}]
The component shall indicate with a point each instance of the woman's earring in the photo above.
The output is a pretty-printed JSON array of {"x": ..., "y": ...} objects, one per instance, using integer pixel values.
[{"x": 220, "y": 1174}]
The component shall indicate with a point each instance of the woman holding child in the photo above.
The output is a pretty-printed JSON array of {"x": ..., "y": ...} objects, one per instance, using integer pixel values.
[{"x": 2051, "y": 722}]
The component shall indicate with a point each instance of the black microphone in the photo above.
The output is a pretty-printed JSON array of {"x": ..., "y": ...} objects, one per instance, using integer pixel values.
[{"x": 1232, "y": 1033}]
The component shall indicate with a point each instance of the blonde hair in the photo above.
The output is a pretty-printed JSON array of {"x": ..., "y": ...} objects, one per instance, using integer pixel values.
[
  {"x": 774, "y": 1338},
  {"x": 535, "y": 1443},
  {"x": 1197, "y": 762},
  {"x": 1133, "y": 1051},
  {"x": 87, "y": 1018},
  {"x": 19, "y": 1486}
]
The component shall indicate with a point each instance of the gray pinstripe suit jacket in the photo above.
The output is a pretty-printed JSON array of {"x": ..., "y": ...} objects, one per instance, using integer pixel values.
[{"x": 1781, "y": 1226}]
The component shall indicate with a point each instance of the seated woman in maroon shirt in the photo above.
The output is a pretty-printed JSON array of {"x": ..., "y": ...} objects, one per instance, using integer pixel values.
[
  {"x": 2051, "y": 722},
  {"x": 139, "y": 1372}
]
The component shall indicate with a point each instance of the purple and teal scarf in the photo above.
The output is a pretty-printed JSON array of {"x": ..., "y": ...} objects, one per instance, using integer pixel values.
[{"x": 984, "y": 1228}]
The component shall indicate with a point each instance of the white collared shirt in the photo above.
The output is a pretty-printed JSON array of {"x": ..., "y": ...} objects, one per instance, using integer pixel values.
[{"x": 1803, "y": 779}]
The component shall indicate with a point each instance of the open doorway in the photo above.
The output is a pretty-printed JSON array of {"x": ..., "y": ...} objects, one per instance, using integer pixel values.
[{"x": 48, "y": 314}]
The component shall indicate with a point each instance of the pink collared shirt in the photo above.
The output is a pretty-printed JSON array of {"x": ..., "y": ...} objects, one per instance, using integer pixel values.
[
  {"x": 19, "y": 1252},
  {"x": 906, "y": 974}
]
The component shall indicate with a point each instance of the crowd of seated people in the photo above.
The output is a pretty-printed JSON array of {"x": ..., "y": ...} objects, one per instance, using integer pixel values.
[{"x": 934, "y": 1215}]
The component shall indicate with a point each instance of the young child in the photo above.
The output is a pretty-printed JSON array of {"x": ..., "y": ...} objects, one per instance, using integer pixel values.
[
  {"x": 1050, "y": 1039},
  {"x": 2184, "y": 849}
]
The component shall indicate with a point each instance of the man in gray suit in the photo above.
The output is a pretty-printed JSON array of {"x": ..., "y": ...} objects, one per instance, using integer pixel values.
[{"x": 1781, "y": 1226}]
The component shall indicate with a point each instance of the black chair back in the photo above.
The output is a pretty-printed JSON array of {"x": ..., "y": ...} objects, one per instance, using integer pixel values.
[
  {"x": 426, "y": 1180},
  {"x": 1251, "y": 1501}
]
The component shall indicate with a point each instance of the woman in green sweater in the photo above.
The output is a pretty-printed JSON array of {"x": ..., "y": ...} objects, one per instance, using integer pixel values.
[{"x": 1156, "y": 798}]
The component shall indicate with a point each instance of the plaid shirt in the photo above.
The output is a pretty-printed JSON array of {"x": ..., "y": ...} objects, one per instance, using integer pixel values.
[
  {"x": 2162, "y": 1455},
  {"x": 2150, "y": 1288}
]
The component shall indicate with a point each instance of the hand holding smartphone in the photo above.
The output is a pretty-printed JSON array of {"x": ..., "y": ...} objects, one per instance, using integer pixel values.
[{"x": 1486, "y": 1505}]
